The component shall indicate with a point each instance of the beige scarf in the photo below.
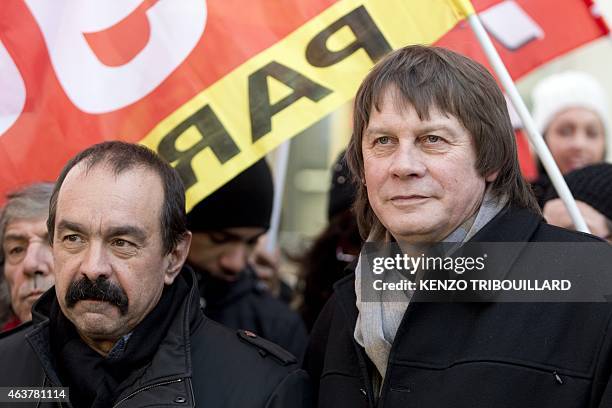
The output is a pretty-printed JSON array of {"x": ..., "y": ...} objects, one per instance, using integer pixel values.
[{"x": 377, "y": 322}]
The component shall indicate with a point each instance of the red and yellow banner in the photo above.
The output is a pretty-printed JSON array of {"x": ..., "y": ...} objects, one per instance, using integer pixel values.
[{"x": 213, "y": 86}]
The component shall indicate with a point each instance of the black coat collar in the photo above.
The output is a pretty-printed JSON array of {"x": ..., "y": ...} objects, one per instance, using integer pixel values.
[{"x": 171, "y": 361}]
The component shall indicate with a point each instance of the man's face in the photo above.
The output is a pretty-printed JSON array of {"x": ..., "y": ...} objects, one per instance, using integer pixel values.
[
  {"x": 420, "y": 175},
  {"x": 109, "y": 262},
  {"x": 28, "y": 263},
  {"x": 576, "y": 139},
  {"x": 223, "y": 254}
]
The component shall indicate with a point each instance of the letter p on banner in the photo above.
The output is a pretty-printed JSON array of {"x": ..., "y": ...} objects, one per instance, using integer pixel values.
[{"x": 212, "y": 86}]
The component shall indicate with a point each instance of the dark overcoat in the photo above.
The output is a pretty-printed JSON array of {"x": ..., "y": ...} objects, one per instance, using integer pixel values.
[
  {"x": 476, "y": 354},
  {"x": 198, "y": 363}
]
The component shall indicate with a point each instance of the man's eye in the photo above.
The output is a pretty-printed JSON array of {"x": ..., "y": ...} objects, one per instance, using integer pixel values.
[
  {"x": 73, "y": 238},
  {"x": 219, "y": 238},
  {"x": 15, "y": 250},
  {"x": 383, "y": 140},
  {"x": 15, "y": 253},
  {"x": 433, "y": 139},
  {"x": 252, "y": 241},
  {"x": 121, "y": 243}
]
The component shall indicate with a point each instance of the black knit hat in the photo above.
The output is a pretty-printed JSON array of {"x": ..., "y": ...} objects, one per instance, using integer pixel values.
[
  {"x": 245, "y": 201},
  {"x": 592, "y": 185},
  {"x": 342, "y": 191}
]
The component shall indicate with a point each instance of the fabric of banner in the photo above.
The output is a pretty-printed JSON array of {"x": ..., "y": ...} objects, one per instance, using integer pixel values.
[{"x": 212, "y": 86}]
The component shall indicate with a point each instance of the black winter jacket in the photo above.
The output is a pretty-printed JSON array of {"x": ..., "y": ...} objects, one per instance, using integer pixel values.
[
  {"x": 199, "y": 363},
  {"x": 473, "y": 355},
  {"x": 245, "y": 304}
]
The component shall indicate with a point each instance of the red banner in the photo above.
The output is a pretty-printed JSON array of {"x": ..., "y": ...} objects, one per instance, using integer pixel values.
[{"x": 76, "y": 73}]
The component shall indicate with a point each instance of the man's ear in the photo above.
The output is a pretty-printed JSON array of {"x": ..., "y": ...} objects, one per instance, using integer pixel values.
[
  {"x": 491, "y": 177},
  {"x": 177, "y": 258}
]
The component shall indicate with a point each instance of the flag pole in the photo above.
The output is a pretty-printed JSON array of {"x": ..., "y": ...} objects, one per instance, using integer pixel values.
[
  {"x": 466, "y": 8},
  {"x": 280, "y": 173}
]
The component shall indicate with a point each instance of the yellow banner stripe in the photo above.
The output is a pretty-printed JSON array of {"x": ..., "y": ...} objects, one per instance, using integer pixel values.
[
  {"x": 401, "y": 22},
  {"x": 463, "y": 7}
]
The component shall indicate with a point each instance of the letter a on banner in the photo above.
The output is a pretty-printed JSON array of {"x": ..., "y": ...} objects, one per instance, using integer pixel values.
[{"x": 213, "y": 86}]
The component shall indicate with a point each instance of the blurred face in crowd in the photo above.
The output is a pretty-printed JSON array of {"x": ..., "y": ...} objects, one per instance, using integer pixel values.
[
  {"x": 576, "y": 139},
  {"x": 265, "y": 263},
  {"x": 420, "y": 175},
  {"x": 223, "y": 254},
  {"x": 109, "y": 257},
  {"x": 28, "y": 263},
  {"x": 556, "y": 213}
]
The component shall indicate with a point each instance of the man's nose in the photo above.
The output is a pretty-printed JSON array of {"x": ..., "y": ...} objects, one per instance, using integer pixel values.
[
  {"x": 407, "y": 161},
  {"x": 234, "y": 258},
  {"x": 38, "y": 259},
  {"x": 95, "y": 262}
]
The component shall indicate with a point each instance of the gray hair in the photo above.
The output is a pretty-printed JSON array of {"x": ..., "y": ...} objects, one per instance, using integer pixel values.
[{"x": 28, "y": 203}]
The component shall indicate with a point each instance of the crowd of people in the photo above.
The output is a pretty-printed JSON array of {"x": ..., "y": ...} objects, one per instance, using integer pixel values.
[{"x": 108, "y": 287}]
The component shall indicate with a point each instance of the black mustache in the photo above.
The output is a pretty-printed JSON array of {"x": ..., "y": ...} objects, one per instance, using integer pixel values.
[{"x": 100, "y": 289}]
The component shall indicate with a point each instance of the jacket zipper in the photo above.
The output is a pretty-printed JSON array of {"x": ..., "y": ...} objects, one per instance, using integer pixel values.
[{"x": 148, "y": 387}]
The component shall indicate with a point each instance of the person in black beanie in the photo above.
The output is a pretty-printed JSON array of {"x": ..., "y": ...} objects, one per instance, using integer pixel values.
[
  {"x": 591, "y": 186},
  {"x": 226, "y": 226}
]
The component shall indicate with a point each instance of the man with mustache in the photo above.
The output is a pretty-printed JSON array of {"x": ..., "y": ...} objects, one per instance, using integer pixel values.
[
  {"x": 100, "y": 289},
  {"x": 25, "y": 254},
  {"x": 435, "y": 159},
  {"x": 123, "y": 326}
]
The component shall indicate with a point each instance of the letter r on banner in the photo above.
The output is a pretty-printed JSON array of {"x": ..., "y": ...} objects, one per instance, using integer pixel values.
[{"x": 175, "y": 28}]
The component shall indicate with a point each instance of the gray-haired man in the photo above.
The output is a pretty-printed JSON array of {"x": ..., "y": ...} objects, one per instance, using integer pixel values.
[{"x": 25, "y": 254}]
